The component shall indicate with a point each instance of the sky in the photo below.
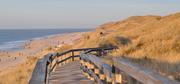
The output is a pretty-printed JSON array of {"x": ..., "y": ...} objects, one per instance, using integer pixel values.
[{"x": 24, "y": 14}]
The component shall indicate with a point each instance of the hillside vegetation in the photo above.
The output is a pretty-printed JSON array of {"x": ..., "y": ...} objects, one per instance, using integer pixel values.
[{"x": 151, "y": 41}]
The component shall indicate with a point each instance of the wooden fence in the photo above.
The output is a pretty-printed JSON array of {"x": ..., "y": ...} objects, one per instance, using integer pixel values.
[
  {"x": 47, "y": 64},
  {"x": 94, "y": 68},
  {"x": 119, "y": 72}
]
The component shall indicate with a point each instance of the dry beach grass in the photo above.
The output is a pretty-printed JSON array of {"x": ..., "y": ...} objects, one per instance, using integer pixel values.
[
  {"x": 150, "y": 41},
  {"x": 21, "y": 74}
]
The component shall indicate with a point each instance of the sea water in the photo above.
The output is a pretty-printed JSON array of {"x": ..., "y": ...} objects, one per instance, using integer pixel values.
[{"x": 12, "y": 39}]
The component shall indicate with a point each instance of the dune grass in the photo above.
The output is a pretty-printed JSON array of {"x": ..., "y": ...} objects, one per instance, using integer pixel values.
[
  {"x": 21, "y": 74},
  {"x": 64, "y": 48},
  {"x": 150, "y": 41}
]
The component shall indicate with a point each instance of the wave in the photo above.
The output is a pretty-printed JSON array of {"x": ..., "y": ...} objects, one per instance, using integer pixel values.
[
  {"x": 15, "y": 39},
  {"x": 17, "y": 45},
  {"x": 12, "y": 45}
]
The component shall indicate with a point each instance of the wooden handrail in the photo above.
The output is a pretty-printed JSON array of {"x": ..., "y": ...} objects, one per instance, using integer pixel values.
[
  {"x": 140, "y": 74},
  {"x": 39, "y": 73},
  {"x": 85, "y": 49},
  {"x": 95, "y": 69},
  {"x": 46, "y": 65},
  {"x": 120, "y": 72}
]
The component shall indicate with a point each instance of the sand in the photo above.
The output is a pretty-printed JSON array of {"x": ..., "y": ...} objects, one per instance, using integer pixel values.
[{"x": 35, "y": 48}]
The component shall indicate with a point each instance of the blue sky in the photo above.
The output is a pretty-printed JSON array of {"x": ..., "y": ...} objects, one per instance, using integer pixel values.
[{"x": 77, "y": 13}]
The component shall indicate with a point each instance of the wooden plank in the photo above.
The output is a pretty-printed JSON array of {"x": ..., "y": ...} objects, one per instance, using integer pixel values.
[
  {"x": 107, "y": 70},
  {"x": 141, "y": 74},
  {"x": 39, "y": 73},
  {"x": 84, "y": 49},
  {"x": 96, "y": 78},
  {"x": 97, "y": 61},
  {"x": 68, "y": 74},
  {"x": 117, "y": 75}
]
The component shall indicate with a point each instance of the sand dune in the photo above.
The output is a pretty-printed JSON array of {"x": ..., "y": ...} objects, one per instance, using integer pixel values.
[{"x": 151, "y": 41}]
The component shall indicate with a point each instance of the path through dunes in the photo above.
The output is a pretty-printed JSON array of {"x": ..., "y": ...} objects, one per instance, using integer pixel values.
[
  {"x": 68, "y": 74},
  {"x": 72, "y": 68}
]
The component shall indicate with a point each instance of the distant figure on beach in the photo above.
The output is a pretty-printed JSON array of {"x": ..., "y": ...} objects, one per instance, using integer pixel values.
[
  {"x": 20, "y": 54},
  {"x": 101, "y": 33}
]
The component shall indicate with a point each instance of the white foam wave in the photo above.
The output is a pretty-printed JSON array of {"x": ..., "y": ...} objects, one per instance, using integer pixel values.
[{"x": 11, "y": 45}]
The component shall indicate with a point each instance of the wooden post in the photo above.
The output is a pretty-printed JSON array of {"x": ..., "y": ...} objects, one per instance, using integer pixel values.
[
  {"x": 69, "y": 55},
  {"x": 99, "y": 53},
  {"x": 118, "y": 78},
  {"x": 88, "y": 67},
  {"x": 117, "y": 75},
  {"x": 72, "y": 55},
  {"x": 108, "y": 80},
  {"x": 77, "y": 58},
  {"x": 102, "y": 77},
  {"x": 92, "y": 67},
  {"x": 66, "y": 56},
  {"x": 98, "y": 74},
  {"x": 84, "y": 66},
  {"x": 88, "y": 76}
]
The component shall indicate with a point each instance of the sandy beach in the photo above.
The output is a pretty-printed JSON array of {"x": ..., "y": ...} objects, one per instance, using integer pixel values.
[{"x": 9, "y": 60}]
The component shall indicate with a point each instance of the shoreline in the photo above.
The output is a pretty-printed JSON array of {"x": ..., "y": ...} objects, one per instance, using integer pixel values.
[
  {"x": 37, "y": 48},
  {"x": 21, "y": 43},
  {"x": 17, "y": 38}
]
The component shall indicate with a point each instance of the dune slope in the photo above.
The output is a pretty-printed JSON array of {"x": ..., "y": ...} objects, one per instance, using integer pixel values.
[{"x": 151, "y": 41}]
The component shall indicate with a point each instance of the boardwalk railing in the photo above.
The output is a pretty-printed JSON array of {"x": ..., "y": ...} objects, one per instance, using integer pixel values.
[
  {"x": 119, "y": 72},
  {"x": 49, "y": 62}
]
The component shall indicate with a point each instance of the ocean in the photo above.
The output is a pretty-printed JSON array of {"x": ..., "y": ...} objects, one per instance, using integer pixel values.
[{"x": 12, "y": 39}]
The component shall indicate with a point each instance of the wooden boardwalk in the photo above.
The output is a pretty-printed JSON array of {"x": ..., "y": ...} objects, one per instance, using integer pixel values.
[
  {"x": 49, "y": 71},
  {"x": 68, "y": 74}
]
